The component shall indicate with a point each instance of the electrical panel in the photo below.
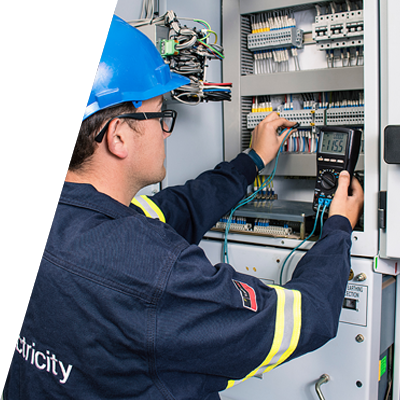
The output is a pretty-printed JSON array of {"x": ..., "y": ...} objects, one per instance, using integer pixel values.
[
  {"x": 314, "y": 63},
  {"x": 317, "y": 76}
]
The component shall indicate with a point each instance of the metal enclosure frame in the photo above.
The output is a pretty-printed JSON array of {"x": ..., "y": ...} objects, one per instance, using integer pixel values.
[{"x": 390, "y": 174}]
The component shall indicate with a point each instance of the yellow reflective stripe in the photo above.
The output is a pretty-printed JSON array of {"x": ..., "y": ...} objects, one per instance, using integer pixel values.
[
  {"x": 136, "y": 203},
  {"x": 294, "y": 341},
  {"x": 155, "y": 208},
  {"x": 288, "y": 316},
  {"x": 150, "y": 209}
]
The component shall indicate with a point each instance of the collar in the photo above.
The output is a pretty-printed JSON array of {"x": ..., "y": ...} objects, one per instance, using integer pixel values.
[{"x": 85, "y": 195}]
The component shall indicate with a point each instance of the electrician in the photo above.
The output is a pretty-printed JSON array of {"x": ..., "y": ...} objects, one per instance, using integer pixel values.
[{"x": 125, "y": 304}]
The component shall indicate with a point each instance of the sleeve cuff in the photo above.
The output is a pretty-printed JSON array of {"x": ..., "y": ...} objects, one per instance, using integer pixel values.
[
  {"x": 245, "y": 165},
  {"x": 337, "y": 222}
]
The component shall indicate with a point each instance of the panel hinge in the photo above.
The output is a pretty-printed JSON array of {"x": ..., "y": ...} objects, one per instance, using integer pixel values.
[{"x": 382, "y": 210}]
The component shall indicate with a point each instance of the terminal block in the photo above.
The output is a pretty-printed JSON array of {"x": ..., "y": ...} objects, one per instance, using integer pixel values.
[
  {"x": 344, "y": 29},
  {"x": 263, "y": 226},
  {"x": 305, "y": 118},
  {"x": 237, "y": 224},
  {"x": 167, "y": 48},
  {"x": 276, "y": 218},
  {"x": 345, "y": 116},
  {"x": 254, "y": 118},
  {"x": 275, "y": 39}
]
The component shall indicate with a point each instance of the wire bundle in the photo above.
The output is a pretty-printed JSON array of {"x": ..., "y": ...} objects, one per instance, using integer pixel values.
[
  {"x": 265, "y": 22},
  {"x": 276, "y": 60},
  {"x": 192, "y": 49},
  {"x": 345, "y": 57},
  {"x": 346, "y": 99},
  {"x": 267, "y": 190},
  {"x": 302, "y": 141}
]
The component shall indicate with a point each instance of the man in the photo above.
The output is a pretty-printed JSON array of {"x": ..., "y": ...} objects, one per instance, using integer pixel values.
[{"x": 125, "y": 305}]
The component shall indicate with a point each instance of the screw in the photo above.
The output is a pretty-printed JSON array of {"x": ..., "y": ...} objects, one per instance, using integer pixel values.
[
  {"x": 360, "y": 277},
  {"x": 278, "y": 260},
  {"x": 359, "y": 338}
]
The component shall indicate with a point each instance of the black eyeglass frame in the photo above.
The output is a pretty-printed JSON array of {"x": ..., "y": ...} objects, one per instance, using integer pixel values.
[{"x": 142, "y": 116}]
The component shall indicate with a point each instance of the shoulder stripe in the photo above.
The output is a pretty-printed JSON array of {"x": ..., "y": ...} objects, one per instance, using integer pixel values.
[
  {"x": 287, "y": 332},
  {"x": 150, "y": 209}
]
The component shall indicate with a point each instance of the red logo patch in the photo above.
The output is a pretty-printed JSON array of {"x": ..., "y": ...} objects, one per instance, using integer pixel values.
[{"x": 248, "y": 295}]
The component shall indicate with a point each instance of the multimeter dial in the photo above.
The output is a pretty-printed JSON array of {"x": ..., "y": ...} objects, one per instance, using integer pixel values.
[{"x": 328, "y": 180}]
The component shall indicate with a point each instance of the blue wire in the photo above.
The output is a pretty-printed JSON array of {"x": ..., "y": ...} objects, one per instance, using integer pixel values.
[
  {"x": 322, "y": 219},
  {"x": 250, "y": 198},
  {"x": 308, "y": 237}
]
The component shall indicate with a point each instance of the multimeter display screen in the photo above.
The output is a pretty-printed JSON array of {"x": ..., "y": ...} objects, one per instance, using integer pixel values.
[{"x": 334, "y": 143}]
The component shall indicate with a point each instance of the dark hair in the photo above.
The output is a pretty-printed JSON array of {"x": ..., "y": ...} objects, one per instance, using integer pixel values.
[{"x": 85, "y": 145}]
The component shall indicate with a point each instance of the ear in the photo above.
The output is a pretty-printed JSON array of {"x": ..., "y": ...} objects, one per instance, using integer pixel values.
[{"x": 116, "y": 138}]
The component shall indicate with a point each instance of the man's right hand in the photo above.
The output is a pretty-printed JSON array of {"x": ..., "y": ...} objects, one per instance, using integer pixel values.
[{"x": 345, "y": 205}]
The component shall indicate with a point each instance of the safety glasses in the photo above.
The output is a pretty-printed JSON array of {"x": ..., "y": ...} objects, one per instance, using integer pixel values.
[{"x": 167, "y": 120}]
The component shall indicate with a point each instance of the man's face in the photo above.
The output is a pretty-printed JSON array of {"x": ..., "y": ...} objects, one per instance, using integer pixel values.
[{"x": 149, "y": 146}]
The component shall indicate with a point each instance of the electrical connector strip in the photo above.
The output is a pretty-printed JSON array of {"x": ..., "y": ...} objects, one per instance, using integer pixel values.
[
  {"x": 335, "y": 108},
  {"x": 33, "y": 13},
  {"x": 274, "y": 39}
]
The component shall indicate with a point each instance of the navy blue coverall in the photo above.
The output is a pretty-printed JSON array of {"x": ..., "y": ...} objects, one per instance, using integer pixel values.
[{"x": 128, "y": 307}]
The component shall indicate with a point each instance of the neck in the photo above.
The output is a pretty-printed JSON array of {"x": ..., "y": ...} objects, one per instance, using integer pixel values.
[{"x": 110, "y": 183}]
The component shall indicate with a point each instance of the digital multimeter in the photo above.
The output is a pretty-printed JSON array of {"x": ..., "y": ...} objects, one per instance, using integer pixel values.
[{"x": 338, "y": 150}]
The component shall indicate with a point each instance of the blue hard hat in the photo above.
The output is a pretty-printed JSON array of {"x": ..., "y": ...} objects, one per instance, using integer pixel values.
[{"x": 85, "y": 65}]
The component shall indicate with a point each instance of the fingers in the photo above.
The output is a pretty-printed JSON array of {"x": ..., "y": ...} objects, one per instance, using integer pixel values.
[
  {"x": 343, "y": 185},
  {"x": 284, "y": 135},
  {"x": 271, "y": 116},
  {"x": 349, "y": 206},
  {"x": 356, "y": 188},
  {"x": 281, "y": 122}
]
